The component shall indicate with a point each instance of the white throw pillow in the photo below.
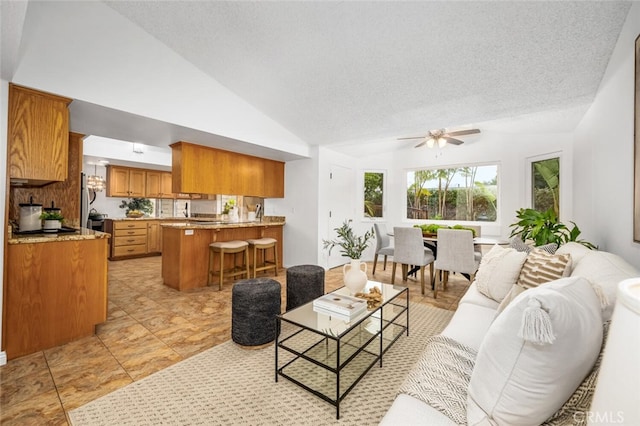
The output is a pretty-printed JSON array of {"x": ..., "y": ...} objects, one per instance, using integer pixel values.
[
  {"x": 524, "y": 380},
  {"x": 498, "y": 272}
]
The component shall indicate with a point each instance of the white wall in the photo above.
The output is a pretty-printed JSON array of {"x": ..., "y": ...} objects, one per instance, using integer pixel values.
[
  {"x": 509, "y": 151},
  {"x": 4, "y": 107},
  {"x": 87, "y": 51},
  {"x": 300, "y": 207},
  {"x": 603, "y": 161}
]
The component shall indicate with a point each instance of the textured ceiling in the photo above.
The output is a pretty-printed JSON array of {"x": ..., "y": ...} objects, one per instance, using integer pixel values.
[{"x": 342, "y": 72}]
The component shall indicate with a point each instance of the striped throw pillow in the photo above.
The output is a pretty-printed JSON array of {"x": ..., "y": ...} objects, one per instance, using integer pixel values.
[{"x": 541, "y": 267}]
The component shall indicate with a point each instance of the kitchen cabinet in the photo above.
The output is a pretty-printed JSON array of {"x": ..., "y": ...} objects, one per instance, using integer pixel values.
[
  {"x": 55, "y": 292},
  {"x": 158, "y": 184},
  {"x": 38, "y": 137},
  {"x": 205, "y": 170},
  {"x": 126, "y": 182},
  {"x": 273, "y": 179},
  {"x": 128, "y": 238},
  {"x": 154, "y": 237}
]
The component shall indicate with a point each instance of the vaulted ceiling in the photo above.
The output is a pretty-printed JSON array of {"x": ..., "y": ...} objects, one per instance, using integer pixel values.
[{"x": 346, "y": 72}]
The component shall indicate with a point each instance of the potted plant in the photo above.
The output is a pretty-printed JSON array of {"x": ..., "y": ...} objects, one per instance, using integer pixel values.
[
  {"x": 137, "y": 207},
  {"x": 352, "y": 246},
  {"x": 544, "y": 228},
  {"x": 52, "y": 220}
]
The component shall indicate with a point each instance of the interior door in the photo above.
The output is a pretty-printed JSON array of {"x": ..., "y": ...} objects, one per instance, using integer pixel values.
[{"x": 341, "y": 205}]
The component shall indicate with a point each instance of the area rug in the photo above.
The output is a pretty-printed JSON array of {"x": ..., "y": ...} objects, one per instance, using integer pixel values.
[{"x": 228, "y": 385}]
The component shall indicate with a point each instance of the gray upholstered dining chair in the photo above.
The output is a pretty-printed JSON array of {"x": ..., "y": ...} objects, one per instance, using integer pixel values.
[
  {"x": 410, "y": 250},
  {"x": 384, "y": 246},
  {"x": 455, "y": 254}
]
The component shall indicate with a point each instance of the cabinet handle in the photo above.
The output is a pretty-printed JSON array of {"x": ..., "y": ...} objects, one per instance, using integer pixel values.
[
  {"x": 131, "y": 232},
  {"x": 130, "y": 241}
]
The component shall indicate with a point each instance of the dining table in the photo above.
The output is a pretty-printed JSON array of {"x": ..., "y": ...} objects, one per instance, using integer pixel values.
[{"x": 431, "y": 242}]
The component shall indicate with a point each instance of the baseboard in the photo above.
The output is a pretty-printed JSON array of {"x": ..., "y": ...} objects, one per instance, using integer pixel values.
[{"x": 3, "y": 358}]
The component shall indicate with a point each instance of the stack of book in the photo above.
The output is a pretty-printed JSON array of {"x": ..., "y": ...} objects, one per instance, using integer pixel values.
[{"x": 343, "y": 307}]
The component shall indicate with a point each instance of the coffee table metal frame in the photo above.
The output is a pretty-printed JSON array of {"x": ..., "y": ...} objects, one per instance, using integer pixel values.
[{"x": 320, "y": 345}]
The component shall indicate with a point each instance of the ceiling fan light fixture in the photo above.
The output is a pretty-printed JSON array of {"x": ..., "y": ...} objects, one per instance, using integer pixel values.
[
  {"x": 430, "y": 142},
  {"x": 442, "y": 142}
]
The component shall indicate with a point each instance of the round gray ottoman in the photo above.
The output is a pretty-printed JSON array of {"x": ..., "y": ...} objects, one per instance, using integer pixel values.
[
  {"x": 304, "y": 283},
  {"x": 254, "y": 305}
]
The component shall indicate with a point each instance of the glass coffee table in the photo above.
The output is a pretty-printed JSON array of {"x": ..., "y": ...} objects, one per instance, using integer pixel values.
[{"x": 328, "y": 356}]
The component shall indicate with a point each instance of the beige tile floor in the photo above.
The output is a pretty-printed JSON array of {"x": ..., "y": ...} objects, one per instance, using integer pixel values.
[{"x": 149, "y": 327}]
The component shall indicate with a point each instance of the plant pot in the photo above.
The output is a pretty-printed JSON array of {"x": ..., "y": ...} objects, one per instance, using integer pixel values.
[
  {"x": 355, "y": 279},
  {"x": 51, "y": 225}
]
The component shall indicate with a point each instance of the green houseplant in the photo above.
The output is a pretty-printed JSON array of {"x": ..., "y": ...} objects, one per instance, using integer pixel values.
[
  {"x": 53, "y": 215},
  {"x": 351, "y": 245},
  {"x": 137, "y": 207},
  {"x": 544, "y": 228},
  {"x": 52, "y": 220}
]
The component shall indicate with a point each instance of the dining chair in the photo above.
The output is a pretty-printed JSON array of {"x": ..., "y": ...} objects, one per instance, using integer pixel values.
[
  {"x": 384, "y": 246},
  {"x": 455, "y": 254},
  {"x": 410, "y": 250}
]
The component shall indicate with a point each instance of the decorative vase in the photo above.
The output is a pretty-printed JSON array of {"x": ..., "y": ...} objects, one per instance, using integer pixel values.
[
  {"x": 355, "y": 279},
  {"x": 233, "y": 215}
]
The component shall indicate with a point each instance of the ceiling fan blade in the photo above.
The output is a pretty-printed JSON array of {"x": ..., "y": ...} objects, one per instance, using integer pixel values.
[
  {"x": 412, "y": 137},
  {"x": 453, "y": 141},
  {"x": 463, "y": 132},
  {"x": 421, "y": 144}
]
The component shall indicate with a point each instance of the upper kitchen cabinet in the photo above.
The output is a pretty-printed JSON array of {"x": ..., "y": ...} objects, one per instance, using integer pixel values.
[
  {"x": 126, "y": 182},
  {"x": 159, "y": 184},
  {"x": 273, "y": 179},
  {"x": 204, "y": 170},
  {"x": 38, "y": 131}
]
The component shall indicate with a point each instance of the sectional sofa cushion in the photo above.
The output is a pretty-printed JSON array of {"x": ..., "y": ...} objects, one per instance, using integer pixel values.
[
  {"x": 498, "y": 272},
  {"x": 535, "y": 354},
  {"x": 605, "y": 270}
]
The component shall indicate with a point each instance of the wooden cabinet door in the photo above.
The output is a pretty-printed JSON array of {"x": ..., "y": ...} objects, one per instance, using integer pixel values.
[
  {"x": 273, "y": 179},
  {"x": 154, "y": 184},
  {"x": 38, "y": 136},
  {"x": 137, "y": 183},
  {"x": 165, "y": 185},
  {"x": 154, "y": 237},
  {"x": 117, "y": 181}
]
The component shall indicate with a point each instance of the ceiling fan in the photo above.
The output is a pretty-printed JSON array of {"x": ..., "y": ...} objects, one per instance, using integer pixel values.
[{"x": 442, "y": 137}]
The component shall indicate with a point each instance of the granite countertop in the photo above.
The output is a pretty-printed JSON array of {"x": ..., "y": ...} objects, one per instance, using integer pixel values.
[
  {"x": 219, "y": 224},
  {"x": 79, "y": 234}
]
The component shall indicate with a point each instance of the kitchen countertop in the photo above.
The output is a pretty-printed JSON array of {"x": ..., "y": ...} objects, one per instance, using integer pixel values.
[
  {"x": 80, "y": 234},
  {"x": 221, "y": 225}
]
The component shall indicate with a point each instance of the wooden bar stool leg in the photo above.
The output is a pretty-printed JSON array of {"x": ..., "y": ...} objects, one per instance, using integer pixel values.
[
  {"x": 275, "y": 256},
  {"x": 221, "y": 253},
  {"x": 246, "y": 261}
]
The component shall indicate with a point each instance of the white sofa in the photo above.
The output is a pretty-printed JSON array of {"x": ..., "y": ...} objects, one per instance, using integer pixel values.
[{"x": 476, "y": 314}]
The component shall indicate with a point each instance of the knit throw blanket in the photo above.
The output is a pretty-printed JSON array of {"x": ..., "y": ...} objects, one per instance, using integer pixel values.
[{"x": 441, "y": 377}]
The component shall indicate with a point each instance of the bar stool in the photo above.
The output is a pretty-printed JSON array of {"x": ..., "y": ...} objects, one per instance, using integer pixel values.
[
  {"x": 263, "y": 244},
  {"x": 229, "y": 247}
]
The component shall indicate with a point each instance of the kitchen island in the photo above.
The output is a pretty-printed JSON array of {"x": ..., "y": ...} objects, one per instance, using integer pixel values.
[
  {"x": 56, "y": 289},
  {"x": 185, "y": 254}
]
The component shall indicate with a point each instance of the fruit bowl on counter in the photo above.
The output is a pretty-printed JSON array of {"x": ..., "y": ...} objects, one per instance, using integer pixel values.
[{"x": 135, "y": 214}]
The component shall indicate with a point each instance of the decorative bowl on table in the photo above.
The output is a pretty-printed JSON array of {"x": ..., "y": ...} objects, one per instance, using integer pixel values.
[{"x": 135, "y": 214}]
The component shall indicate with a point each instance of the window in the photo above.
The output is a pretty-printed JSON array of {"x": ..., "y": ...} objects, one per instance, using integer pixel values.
[
  {"x": 467, "y": 193},
  {"x": 373, "y": 194},
  {"x": 545, "y": 185}
]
